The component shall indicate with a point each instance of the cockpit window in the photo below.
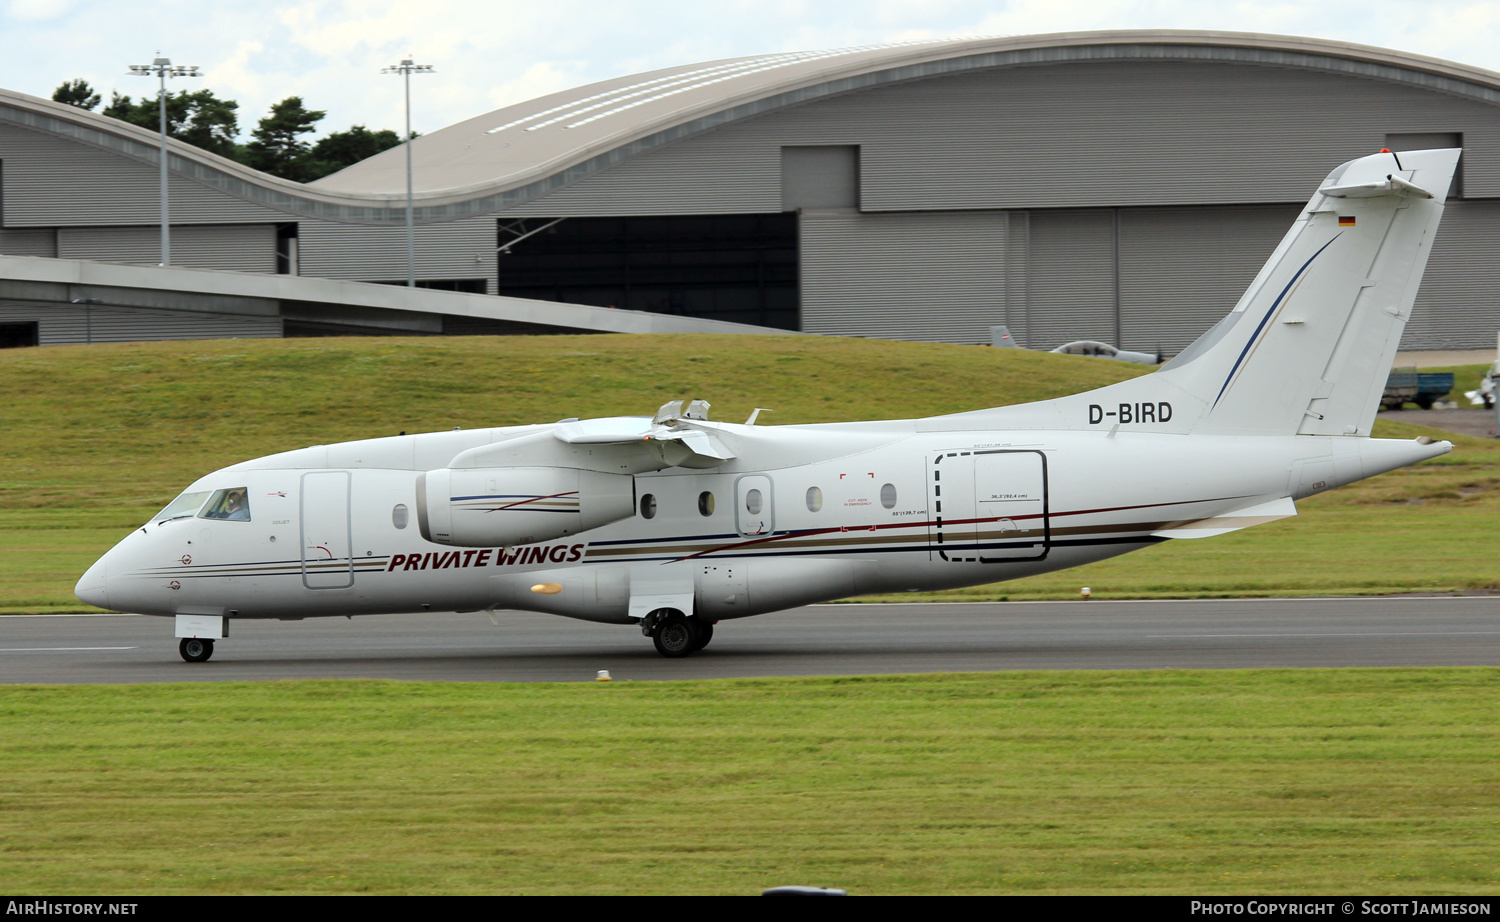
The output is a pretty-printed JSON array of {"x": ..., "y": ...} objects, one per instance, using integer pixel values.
[
  {"x": 230, "y": 504},
  {"x": 183, "y": 506}
]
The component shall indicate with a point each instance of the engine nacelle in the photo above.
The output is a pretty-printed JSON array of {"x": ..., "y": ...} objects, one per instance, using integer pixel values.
[{"x": 506, "y": 506}]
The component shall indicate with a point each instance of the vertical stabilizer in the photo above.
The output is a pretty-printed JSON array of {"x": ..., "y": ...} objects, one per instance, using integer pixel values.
[{"x": 1308, "y": 347}]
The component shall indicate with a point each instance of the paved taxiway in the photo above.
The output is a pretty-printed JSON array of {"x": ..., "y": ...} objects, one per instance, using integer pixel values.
[{"x": 821, "y": 640}]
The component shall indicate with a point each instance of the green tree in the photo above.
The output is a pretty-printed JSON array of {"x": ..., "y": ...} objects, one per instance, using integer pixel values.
[
  {"x": 77, "y": 93},
  {"x": 212, "y": 124},
  {"x": 276, "y": 145},
  {"x": 201, "y": 119},
  {"x": 346, "y": 148},
  {"x": 120, "y": 107}
]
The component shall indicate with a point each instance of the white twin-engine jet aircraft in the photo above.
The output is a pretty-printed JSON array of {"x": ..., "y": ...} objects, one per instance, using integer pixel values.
[{"x": 675, "y": 523}]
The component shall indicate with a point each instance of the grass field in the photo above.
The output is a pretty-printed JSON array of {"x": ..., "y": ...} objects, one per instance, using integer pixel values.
[
  {"x": 97, "y": 438},
  {"x": 1368, "y": 781},
  {"x": 1378, "y": 781}
]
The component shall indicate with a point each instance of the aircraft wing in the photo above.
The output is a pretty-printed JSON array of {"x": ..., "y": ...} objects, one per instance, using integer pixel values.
[
  {"x": 679, "y": 442},
  {"x": 620, "y": 444}
]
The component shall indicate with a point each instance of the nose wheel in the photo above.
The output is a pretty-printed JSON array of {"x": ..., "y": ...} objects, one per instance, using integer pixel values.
[{"x": 196, "y": 650}]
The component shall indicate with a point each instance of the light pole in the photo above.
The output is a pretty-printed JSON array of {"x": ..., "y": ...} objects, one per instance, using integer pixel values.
[
  {"x": 162, "y": 67},
  {"x": 406, "y": 68}
]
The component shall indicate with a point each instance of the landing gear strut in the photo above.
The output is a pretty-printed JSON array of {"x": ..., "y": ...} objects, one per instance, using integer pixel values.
[
  {"x": 675, "y": 635},
  {"x": 195, "y": 650}
]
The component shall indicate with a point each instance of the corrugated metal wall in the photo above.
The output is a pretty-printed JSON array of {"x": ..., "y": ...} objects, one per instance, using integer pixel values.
[
  {"x": 460, "y": 250},
  {"x": 40, "y": 241},
  {"x": 1182, "y": 269},
  {"x": 1458, "y": 306},
  {"x": 937, "y": 276},
  {"x": 69, "y": 324},
  {"x": 1074, "y": 135},
  {"x": 1125, "y": 134},
  {"x": 1070, "y": 279},
  {"x": 235, "y": 248},
  {"x": 51, "y": 181},
  {"x": 733, "y": 171}
]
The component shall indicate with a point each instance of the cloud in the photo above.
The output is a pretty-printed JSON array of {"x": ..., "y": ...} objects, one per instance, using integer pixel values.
[
  {"x": 37, "y": 10},
  {"x": 539, "y": 79}
]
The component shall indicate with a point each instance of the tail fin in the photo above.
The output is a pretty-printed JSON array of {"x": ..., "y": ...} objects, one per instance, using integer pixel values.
[{"x": 1308, "y": 347}]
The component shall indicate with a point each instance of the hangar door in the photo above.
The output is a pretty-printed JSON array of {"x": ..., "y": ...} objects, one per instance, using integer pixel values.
[
  {"x": 988, "y": 506},
  {"x": 1144, "y": 279},
  {"x": 932, "y": 276}
]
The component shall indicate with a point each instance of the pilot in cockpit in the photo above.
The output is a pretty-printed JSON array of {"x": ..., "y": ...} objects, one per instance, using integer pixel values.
[{"x": 228, "y": 505}]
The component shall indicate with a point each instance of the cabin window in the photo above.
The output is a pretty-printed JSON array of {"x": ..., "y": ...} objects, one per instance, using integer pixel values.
[
  {"x": 814, "y": 499},
  {"x": 230, "y": 504},
  {"x": 888, "y": 496},
  {"x": 183, "y": 506},
  {"x": 705, "y": 503},
  {"x": 753, "y": 502},
  {"x": 648, "y": 506},
  {"x": 399, "y": 516}
]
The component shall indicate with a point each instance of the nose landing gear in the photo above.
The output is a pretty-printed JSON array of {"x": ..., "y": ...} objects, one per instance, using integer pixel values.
[
  {"x": 195, "y": 649},
  {"x": 676, "y": 635}
]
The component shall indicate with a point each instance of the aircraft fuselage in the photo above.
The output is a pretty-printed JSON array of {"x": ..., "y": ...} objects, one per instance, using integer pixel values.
[{"x": 904, "y": 511}]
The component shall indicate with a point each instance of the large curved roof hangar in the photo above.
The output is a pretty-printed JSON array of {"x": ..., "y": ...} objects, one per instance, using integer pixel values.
[
  {"x": 524, "y": 150},
  {"x": 515, "y": 154}
]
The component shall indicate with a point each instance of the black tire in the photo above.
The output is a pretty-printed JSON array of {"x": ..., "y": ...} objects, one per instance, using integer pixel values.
[
  {"x": 1424, "y": 402},
  {"x": 676, "y": 637},
  {"x": 705, "y": 634},
  {"x": 195, "y": 650}
]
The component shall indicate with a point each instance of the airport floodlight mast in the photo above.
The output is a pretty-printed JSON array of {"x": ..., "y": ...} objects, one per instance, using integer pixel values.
[
  {"x": 406, "y": 68},
  {"x": 163, "y": 68}
]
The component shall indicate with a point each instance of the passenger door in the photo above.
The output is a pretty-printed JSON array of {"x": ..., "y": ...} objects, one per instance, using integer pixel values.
[{"x": 327, "y": 542}]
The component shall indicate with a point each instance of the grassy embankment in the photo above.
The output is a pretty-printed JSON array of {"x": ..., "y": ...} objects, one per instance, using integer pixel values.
[
  {"x": 1370, "y": 781},
  {"x": 97, "y": 438}
]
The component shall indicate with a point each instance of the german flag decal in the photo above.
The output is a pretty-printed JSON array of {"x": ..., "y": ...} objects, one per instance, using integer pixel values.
[{"x": 1346, "y": 222}]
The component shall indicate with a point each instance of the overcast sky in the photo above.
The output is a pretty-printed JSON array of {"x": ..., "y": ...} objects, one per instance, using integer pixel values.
[{"x": 490, "y": 53}]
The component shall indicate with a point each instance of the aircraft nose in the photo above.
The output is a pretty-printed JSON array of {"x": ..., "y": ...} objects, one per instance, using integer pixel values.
[{"x": 92, "y": 587}]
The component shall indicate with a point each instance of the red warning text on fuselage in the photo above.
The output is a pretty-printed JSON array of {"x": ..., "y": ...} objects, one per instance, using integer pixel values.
[{"x": 488, "y": 557}]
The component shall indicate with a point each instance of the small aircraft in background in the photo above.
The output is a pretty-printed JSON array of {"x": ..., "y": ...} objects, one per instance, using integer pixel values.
[
  {"x": 675, "y": 522},
  {"x": 1106, "y": 351}
]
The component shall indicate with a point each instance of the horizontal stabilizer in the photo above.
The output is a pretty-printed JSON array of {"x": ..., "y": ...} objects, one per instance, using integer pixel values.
[
  {"x": 1391, "y": 185},
  {"x": 1232, "y": 521}
]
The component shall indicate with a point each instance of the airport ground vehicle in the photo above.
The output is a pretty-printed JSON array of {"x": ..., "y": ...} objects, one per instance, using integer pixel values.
[{"x": 1423, "y": 388}]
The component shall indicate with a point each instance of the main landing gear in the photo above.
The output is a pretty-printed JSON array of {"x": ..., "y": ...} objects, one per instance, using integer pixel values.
[
  {"x": 195, "y": 650},
  {"x": 676, "y": 635}
]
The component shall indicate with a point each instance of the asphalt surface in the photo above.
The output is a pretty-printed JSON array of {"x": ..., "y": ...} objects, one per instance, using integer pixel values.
[
  {"x": 1464, "y": 421},
  {"x": 819, "y": 640}
]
